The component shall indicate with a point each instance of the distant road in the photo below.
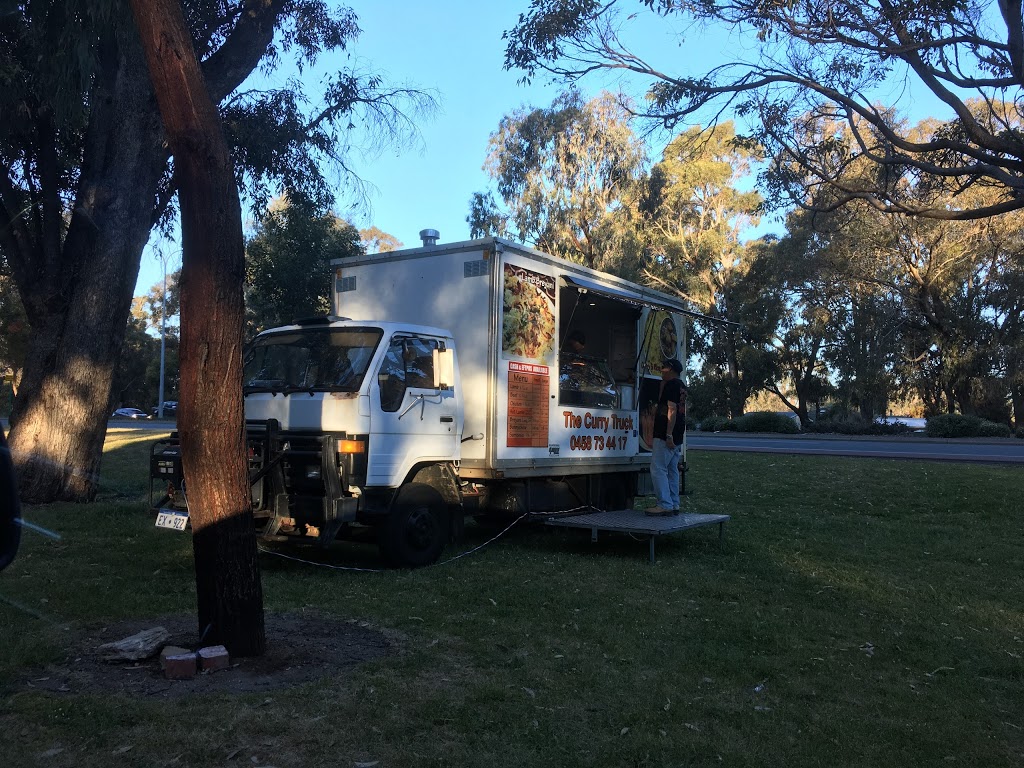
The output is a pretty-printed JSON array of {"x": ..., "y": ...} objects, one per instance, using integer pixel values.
[{"x": 910, "y": 447}]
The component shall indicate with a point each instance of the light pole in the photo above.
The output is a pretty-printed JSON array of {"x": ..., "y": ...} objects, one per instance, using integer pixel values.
[{"x": 163, "y": 336}]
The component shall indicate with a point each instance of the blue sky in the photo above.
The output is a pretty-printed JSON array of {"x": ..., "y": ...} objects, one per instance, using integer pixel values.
[{"x": 454, "y": 48}]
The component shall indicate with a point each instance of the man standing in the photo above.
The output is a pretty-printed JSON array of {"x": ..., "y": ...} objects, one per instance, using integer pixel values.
[{"x": 669, "y": 432}]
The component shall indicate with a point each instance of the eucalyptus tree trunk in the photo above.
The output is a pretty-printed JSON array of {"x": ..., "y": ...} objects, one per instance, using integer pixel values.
[
  {"x": 211, "y": 424},
  {"x": 736, "y": 394},
  {"x": 78, "y": 295}
]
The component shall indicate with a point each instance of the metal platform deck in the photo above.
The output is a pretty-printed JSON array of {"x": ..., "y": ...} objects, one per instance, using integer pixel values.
[{"x": 636, "y": 522}]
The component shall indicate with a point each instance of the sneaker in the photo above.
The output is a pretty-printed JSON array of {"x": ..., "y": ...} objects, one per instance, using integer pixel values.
[{"x": 657, "y": 512}]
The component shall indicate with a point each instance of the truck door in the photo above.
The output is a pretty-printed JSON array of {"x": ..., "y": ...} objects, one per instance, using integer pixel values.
[{"x": 411, "y": 420}]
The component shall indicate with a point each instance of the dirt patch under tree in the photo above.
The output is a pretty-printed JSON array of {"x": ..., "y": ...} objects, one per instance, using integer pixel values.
[{"x": 301, "y": 647}]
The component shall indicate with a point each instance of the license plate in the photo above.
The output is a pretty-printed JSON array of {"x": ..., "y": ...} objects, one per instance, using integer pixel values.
[{"x": 169, "y": 518}]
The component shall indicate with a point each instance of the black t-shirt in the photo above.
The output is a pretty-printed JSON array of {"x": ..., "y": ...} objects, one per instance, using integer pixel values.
[{"x": 672, "y": 392}]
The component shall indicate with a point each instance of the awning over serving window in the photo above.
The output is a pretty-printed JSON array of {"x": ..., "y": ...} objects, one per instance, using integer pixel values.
[{"x": 640, "y": 298}]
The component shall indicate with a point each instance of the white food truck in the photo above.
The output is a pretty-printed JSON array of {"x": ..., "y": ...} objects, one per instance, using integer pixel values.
[{"x": 443, "y": 386}]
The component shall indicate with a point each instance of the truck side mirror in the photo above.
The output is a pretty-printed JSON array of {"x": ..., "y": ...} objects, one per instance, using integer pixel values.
[{"x": 444, "y": 368}]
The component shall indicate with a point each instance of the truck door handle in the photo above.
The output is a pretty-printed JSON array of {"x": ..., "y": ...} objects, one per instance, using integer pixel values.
[{"x": 447, "y": 419}]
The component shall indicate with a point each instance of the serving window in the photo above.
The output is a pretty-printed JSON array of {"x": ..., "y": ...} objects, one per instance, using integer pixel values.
[
  {"x": 603, "y": 373},
  {"x": 587, "y": 382}
]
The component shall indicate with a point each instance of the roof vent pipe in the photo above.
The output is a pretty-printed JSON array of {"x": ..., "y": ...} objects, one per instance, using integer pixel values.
[{"x": 429, "y": 237}]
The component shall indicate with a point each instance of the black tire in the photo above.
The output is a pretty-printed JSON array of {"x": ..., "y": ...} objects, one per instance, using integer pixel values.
[{"x": 416, "y": 529}]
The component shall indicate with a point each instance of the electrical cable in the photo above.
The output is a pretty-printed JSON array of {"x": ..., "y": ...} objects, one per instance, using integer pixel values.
[{"x": 386, "y": 570}]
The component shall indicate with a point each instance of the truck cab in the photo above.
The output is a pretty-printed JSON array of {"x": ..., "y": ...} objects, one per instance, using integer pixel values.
[{"x": 351, "y": 423}]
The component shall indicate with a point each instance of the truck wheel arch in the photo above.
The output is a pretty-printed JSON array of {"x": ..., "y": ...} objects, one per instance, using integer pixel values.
[{"x": 439, "y": 476}]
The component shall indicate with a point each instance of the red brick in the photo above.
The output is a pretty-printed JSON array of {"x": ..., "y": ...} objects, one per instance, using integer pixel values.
[
  {"x": 180, "y": 667},
  {"x": 171, "y": 650},
  {"x": 213, "y": 657}
]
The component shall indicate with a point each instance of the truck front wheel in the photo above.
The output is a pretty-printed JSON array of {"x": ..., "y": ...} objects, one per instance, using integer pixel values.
[{"x": 416, "y": 529}]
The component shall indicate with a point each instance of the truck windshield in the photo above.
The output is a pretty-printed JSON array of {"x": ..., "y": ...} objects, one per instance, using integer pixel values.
[{"x": 324, "y": 359}]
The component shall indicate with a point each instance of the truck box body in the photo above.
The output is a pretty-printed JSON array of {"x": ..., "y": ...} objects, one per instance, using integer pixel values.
[{"x": 529, "y": 408}]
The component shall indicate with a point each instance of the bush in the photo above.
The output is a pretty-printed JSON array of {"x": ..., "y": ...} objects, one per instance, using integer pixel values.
[
  {"x": 717, "y": 424},
  {"x": 852, "y": 424},
  {"x": 993, "y": 429},
  {"x": 841, "y": 424},
  {"x": 767, "y": 421},
  {"x": 889, "y": 428},
  {"x": 952, "y": 425},
  {"x": 959, "y": 425}
]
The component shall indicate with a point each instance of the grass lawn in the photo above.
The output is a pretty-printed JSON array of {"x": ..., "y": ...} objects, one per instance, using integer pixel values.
[{"x": 862, "y": 613}]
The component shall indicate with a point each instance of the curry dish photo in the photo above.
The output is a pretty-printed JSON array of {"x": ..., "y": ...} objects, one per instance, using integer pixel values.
[{"x": 528, "y": 329}]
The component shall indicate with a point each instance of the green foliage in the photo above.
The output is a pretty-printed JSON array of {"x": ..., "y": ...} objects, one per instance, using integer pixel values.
[
  {"x": 952, "y": 425},
  {"x": 51, "y": 72},
  {"x": 913, "y": 306},
  {"x": 485, "y": 217},
  {"x": 281, "y": 143},
  {"x": 6, "y": 398},
  {"x": 767, "y": 421},
  {"x": 853, "y": 424},
  {"x": 84, "y": 164},
  {"x": 14, "y": 327},
  {"x": 161, "y": 304},
  {"x": 288, "y": 264},
  {"x": 694, "y": 217},
  {"x": 960, "y": 425},
  {"x": 993, "y": 429},
  {"x": 717, "y": 424},
  {"x": 794, "y": 90},
  {"x": 838, "y": 322},
  {"x": 376, "y": 240},
  {"x": 565, "y": 174},
  {"x": 137, "y": 375},
  {"x": 901, "y": 274},
  {"x": 49, "y": 91}
]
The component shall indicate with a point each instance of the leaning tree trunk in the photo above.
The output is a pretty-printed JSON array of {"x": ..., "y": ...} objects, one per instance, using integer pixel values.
[
  {"x": 78, "y": 294},
  {"x": 210, "y": 420}
]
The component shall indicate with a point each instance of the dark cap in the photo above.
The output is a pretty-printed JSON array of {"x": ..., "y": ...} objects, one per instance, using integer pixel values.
[{"x": 672, "y": 363}]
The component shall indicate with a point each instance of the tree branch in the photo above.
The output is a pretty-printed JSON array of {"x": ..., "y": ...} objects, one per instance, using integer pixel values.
[{"x": 248, "y": 42}]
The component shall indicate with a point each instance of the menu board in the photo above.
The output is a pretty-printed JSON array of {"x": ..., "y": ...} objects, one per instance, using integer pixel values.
[{"x": 528, "y": 398}]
